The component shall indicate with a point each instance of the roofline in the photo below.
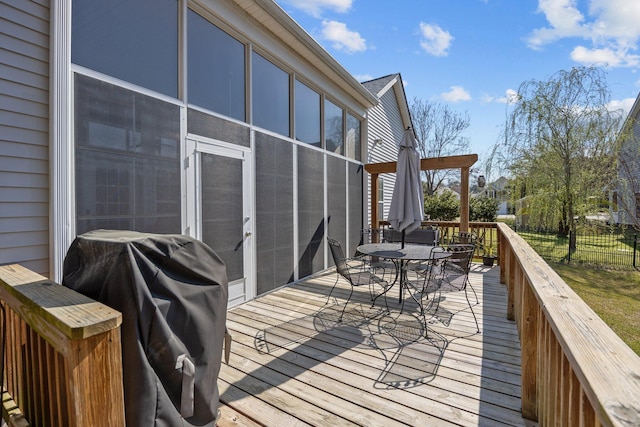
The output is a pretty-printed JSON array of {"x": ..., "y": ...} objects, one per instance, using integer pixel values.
[
  {"x": 403, "y": 95},
  {"x": 293, "y": 35},
  {"x": 395, "y": 82}
]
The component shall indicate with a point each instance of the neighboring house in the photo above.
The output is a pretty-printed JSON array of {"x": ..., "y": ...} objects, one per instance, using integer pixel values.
[
  {"x": 387, "y": 122},
  {"x": 220, "y": 119},
  {"x": 624, "y": 201},
  {"x": 498, "y": 190}
]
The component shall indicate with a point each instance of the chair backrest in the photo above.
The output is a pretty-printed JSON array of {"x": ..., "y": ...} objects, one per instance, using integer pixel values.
[
  {"x": 462, "y": 255},
  {"x": 425, "y": 236},
  {"x": 464, "y": 237},
  {"x": 371, "y": 235},
  {"x": 338, "y": 258},
  {"x": 392, "y": 235}
]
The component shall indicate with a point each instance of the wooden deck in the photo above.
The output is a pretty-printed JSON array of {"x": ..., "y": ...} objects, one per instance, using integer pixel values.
[{"x": 292, "y": 363}]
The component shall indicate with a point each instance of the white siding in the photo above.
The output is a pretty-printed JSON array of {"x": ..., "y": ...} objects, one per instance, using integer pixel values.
[
  {"x": 24, "y": 134},
  {"x": 385, "y": 122}
]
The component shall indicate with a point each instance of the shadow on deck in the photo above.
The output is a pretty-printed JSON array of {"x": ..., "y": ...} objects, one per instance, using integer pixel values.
[{"x": 294, "y": 363}]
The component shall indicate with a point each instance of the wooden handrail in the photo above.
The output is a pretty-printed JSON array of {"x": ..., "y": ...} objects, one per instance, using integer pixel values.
[
  {"x": 63, "y": 359},
  {"x": 575, "y": 370},
  {"x": 448, "y": 229}
]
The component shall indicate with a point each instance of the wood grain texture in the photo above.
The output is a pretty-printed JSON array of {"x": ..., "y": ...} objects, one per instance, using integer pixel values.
[
  {"x": 293, "y": 364},
  {"x": 578, "y": 347},
  {"x": 63, "y": 359}
]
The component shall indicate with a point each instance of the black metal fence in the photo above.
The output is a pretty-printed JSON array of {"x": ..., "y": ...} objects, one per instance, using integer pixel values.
[{"x": 613, "y": 248}]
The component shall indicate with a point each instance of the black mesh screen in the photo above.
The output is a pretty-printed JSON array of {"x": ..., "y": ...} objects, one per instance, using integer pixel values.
[
  {"x": 274, "y": 212},
  {"x": 310, "y": 211},
  {"x": 337, "y": 199},
  {"x": 356, "y": 188}
]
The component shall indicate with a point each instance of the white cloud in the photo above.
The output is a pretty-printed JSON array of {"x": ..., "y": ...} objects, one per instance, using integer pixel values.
[
  {"x": 624, "y": 105},
  {"x": 363, "y": 77},
  {"x": 609, "y": 26},
  {"x": 565, "y": 20},
  {"x": 486, "y": 98},
  {"x": 315, "y": 7},
  {"x": 617, "y": 19},
  {"x": 435, "y": 40},
  {"x": 456, "y": 94},
  {"x": 510, "y": 97},
  {"x": 604, "y": 56},
  {"x": 342, "y": 38}
]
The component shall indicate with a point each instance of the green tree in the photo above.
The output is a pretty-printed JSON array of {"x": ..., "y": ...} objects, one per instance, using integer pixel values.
[
  {"x": 483, "y": 209},
  {"x": 442, "y": 207},
  {"x": 560, "y": 143}
]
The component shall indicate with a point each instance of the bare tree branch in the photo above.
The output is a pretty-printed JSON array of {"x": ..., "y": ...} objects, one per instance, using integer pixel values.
[{"x": 438, "y": 131}]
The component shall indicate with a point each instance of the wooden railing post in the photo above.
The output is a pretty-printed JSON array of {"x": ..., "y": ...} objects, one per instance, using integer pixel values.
[
  {"x": 529, "y": 351},
  {"x": 575, "y": 369},
  {"x": 63, "y": 364}
]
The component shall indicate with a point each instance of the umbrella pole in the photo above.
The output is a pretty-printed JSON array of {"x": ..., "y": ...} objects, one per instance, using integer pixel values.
[{"x": 403, "y": 233}]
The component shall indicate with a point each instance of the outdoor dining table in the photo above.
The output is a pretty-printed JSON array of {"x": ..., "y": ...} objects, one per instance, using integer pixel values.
[{"x": 401, "y": 256}]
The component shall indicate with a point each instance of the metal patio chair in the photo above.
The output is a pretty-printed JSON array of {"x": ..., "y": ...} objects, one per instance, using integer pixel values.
[
  {"x": 455, "y": 271},
  {"x": 376, "y": 235},
  {"x": 357, "y": 271},
  {"x": 465, "y": 238}
]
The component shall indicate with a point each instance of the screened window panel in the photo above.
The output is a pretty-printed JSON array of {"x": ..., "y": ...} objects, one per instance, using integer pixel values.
[
  {"x": 356, "y": 208},
  {"x": 127, "y": 166},
  {"x": 274, "y": 212},
  {"x": 337, "y": 200},
  {"x": 222, "y": 210},
  {"x": 199, "y": 123},
  {"x": 307, "y": 118},
  {"x": 135, "y": 41},
  {"x": 216, "y": 68},
  {"x": 310, "y": 211},
  {"x": 333, "y": 127},
  {"x": 353, "y": 144},
  {"x": 270, "y": 95}
]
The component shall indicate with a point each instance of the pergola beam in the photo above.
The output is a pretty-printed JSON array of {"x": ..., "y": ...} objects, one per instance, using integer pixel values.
[{"x": 463, "y": 162}]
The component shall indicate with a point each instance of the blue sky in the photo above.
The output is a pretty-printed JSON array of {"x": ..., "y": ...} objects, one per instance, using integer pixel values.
[{"x": 472, "y": 54}]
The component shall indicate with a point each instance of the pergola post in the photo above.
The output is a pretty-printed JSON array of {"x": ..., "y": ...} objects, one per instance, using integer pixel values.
[
  {"x": 464, "y": 199},
  {"x": 374, "y": 201},
  {"x": 463, "y": 162}
]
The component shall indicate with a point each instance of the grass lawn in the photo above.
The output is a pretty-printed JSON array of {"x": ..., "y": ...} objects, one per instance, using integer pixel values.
[{"x": 613, "y": 294}]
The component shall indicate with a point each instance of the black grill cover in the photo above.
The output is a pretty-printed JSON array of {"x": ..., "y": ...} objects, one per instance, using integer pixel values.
[{"x": 172, "y": 291}]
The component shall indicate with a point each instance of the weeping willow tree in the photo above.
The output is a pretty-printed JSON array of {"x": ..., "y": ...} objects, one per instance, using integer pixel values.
[{"x": 560, "y": 145}]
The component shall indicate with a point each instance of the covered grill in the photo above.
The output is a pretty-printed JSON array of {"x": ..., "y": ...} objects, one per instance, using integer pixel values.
[{"x": 172, "y": 292}]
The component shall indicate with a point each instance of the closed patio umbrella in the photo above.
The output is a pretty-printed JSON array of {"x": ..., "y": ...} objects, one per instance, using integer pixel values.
[{"x": 407, "y": 202}]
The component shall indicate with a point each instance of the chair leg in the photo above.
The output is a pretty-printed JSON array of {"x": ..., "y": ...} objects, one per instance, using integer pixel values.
[
  {"x": 474, "y": 291},
  {"x": 331, "y": 292},
  {"x": 471, "y": 308},
  {"x": 384, "y": 293},
  {"x": 345, "y": 304}
]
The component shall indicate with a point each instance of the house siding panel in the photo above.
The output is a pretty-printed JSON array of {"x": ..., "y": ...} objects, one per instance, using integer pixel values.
[
  {"x": 24, "y": 134},
  {"x": 385, "y": 122}
]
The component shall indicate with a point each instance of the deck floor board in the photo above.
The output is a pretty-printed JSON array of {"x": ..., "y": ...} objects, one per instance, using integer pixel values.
[{"x": 293, "y": 362}]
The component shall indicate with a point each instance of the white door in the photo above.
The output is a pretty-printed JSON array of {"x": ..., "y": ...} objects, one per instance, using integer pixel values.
[{"x": 218, "y": 205}]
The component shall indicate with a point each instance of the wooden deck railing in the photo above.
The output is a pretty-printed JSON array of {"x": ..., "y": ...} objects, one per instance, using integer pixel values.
[
  {"x": 575, "y": 370},
  {"x": 62, "y": 356},
  {"x": 486, "y": 231}
]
